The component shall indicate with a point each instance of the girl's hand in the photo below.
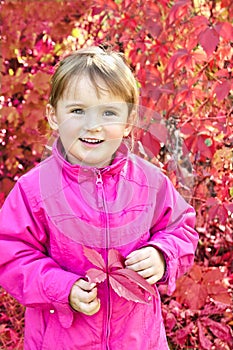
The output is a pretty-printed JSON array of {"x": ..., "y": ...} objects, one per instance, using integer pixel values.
[
  {"x": 147, "y": 262},
  {"x": 83, "y": 297}
]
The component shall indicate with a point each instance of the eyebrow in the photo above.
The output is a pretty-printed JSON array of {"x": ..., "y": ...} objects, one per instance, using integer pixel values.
[
  {"x": 105, "y": 105},
  {"x": 75, "y": 104}
]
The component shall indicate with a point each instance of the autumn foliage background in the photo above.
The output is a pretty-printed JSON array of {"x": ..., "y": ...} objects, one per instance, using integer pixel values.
[{"x": 181, "y": 53}]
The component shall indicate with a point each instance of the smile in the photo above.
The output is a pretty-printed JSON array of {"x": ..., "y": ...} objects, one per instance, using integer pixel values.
[{"x": 91, "y": 141}]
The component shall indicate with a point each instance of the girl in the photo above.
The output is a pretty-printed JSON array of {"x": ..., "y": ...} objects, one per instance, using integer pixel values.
[{"x": 88, "y": 234}]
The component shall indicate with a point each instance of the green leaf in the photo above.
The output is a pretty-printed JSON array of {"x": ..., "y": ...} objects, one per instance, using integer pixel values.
[{"x": 208, "y": 142}]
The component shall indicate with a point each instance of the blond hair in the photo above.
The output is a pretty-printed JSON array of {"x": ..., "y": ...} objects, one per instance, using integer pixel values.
[{"x": 97, "y": 64}]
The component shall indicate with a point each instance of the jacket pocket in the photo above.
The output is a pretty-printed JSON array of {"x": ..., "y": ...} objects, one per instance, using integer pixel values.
[{"x": 53, "y": 333}]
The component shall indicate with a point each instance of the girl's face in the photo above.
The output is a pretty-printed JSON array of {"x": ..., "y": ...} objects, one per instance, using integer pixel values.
[{"x": 91, "y": 127}]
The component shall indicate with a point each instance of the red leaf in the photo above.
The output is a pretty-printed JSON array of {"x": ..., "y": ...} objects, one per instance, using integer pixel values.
[
  {"x": 214, "y": 308},
  {"x": 137, "y": 279},
  {"x": 203, "y": 147},
  {"x": 229, "y": 206},
  {"x": 197, "y": 144},
  {"x": 126, "y": 283},
  {"x": 183, "y": 95},
  {"x": 153, "y": 27},
  {"x": 96, "y": 275},
  {"x": 199, "y": 56},
  {"x": 94, "y": 257},
  {"x": 212, "y": 275},
  {"x": 178, "y": 10},
  {"x": 153, "y": 76},
  {"x": 187, "y": 129},
  {"x": 127, "y": 3},
  {"x": 212, "y": 201},
  {"x": 178, "y": 60},
  {"x": 6, "y": 186},
  {"x": 220, "y": 294},
  {"x": 219, "y": 211},
  {"x": 40, "y": 81},
  {"x": 159, "y": 131},
  {"x": 115, "y": 259},
  {"x": 220, "y": 345},
  {"x": 199, "y": 23},
  {"x": 212, "y": 279},
  {"x": 151, "y": 144},
  {"x": 2, "y": 198},
  {"x": 182, "y": 334},
  {"x": 152, "y": 137},
  {"x": 96, "y": 10},
  {"x": 127, "y": 289},
  {"x": 225, "y": 30},
  {"x": 196, "y": 273},
  {"x": 190, "y": 293},
  {"x": 221, "y": 331},
  {"x": 221, "y": 89},
  {"x": 216, "y": 289},
  {"x": 196, "y": 296},
  {"x": 170, "y": 321},
  {"x": 209, "y": 39},
  {"x": 204, "y": 341}
]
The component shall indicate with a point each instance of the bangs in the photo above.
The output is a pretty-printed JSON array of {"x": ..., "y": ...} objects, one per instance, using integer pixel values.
[{"x": 101, "y": 84}]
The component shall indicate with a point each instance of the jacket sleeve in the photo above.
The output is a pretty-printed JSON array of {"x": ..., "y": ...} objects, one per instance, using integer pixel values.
[
  {"x": 173, "y": 232},
  {"x": 27, "y": 271}
]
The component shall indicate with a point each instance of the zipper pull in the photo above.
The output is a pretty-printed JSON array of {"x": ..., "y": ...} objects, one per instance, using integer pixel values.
[{"x": 99, "y": 186}]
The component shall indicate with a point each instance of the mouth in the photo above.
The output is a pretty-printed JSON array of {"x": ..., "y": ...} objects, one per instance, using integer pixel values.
[{"x": 91, "y": 141}]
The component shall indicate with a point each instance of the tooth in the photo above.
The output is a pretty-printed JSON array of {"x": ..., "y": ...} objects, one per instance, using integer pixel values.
[{"x": 91, "y": 141}]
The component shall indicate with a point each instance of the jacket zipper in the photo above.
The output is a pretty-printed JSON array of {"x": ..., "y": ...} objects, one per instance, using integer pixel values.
[
  {"x": 100, "y": 189},
  {"x": 101, "y": 201}
]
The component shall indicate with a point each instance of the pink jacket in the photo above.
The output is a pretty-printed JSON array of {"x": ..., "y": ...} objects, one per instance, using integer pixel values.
[{"x": 53, "y": 212}]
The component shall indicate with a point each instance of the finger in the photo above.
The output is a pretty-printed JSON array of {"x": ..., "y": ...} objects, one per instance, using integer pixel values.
[
  {"x": 140, "y": 254},
  {"x": 147, "y": 273},
  {"x": 150, "y": 276},
  {"x": 90, "y": 308},
  {"x": 153, "y": 279},
  {"x": 140, "y": 265},
  {"x": 83, "y": 304},
  {"x": 85, "y": 285},
  {"x": 87, "y": 296},
  {"x": 136, "y": 257}
]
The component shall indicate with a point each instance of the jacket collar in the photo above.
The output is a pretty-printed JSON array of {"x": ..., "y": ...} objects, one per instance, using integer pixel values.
[{"x": 76, "y": 170}]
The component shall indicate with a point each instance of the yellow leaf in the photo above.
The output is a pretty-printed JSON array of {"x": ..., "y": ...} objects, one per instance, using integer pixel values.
[
  {"x": 223, "y": 158},
  {"x": 11, "y": 72},
  {"x": 75, "y": 32},
  {"x": 57, "y": 48}
]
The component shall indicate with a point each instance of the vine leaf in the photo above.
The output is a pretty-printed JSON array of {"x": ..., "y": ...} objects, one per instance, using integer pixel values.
[
  {"x": 94, "y": 257},
  {"x": 126, "y": 283},
  {"x": 96, "y": 275}
]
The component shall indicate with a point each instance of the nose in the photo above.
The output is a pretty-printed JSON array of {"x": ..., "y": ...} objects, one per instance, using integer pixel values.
[{"x": 92, "y": 122}]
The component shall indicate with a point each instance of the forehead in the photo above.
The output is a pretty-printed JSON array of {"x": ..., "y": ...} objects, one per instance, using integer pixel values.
[{"x": 83, "y": 88}]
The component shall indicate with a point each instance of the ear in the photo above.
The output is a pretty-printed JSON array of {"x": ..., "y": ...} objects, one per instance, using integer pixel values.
[
  {"x": 127, "y": 130},
  {"x": 51, "y": 115},
  {"x": 131, "y": 122}
]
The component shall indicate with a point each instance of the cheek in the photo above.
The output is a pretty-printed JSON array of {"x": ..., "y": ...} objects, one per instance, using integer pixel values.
[
  {"x": 69, "y": 128},
  {"x": 116, "y": 132}
]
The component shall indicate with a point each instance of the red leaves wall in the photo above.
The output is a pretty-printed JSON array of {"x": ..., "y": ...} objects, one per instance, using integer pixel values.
[{"x": 181, "y": 53}]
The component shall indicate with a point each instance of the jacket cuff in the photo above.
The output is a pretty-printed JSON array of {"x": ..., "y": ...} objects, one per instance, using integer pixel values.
[
  {"x": 169, "y": 276},
  {"x": 165, "y": 277},
  {"x": 60, "y": 299}
]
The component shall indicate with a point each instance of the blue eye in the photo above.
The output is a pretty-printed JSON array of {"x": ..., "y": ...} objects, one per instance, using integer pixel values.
[
  {"x": 78, "y": 111},
  {"x": 109, "y": 114}
]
